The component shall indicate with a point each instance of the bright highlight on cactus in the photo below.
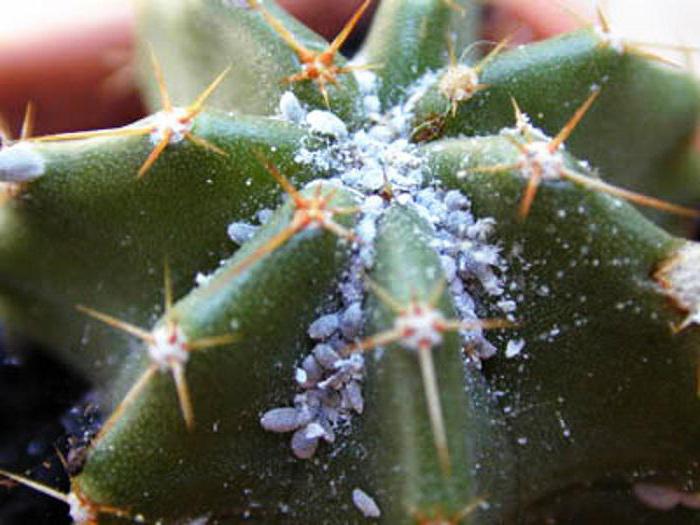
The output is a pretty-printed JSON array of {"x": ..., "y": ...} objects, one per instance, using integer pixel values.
[{"x": 412, "y": 350}]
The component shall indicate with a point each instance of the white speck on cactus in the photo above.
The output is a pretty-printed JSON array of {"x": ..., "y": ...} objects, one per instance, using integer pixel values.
[
  {"x": 21, "y": 162},
  {"x": 514, "y": 347},
  {"x": 169, "y": 346}
]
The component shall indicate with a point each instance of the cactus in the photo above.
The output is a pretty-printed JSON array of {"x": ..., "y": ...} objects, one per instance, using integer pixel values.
[{"x": 457, "y": 312}]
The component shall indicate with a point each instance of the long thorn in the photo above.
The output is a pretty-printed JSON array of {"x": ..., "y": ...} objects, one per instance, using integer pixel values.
[
  {"x": 384, "y": 296},
  {"x": 140, "y": 333},
  {"x": 196, "y": 107},
  {"x": 432, "y": 398},
  {"x": 213, "y": 341},
  {"x": 162, "y": 88},
  {"x": 603, "y": 19},
  {"x": 35, "y": 485},
  {"x": 167, "y": 287},
  {"x": 672, "y": 47},
  {"x": 469, "y": 509},
  {"x": 340, "y": 231},
  {"x": 496, "y": 168},
  {"x": 267, "y": 248},
  {"x": 283, "y": 181},
  {"x": 340, "y": 39},
  {"x": 478, "y": 68},
  {"x": 304, "y": 54},
  {"x": 372, "y": 342},
  {"x": 637, "y": 198},
  {"x": 533, "y": 185},
  {"x": 155, "y": 153},
  {"x": 203, "y": 143},
  {"x": 79, "y": 135},
  {"x": 570, "y": 126},
  {"x": 183, "y": 394},
  {"x": 437, "y": 292},
  {"x": 130, "y": 397},
  {"x": 28, "y": 122}
]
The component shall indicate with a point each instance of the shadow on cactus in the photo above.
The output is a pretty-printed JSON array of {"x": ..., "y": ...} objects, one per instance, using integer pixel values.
[{"x": 412, "y": 288}]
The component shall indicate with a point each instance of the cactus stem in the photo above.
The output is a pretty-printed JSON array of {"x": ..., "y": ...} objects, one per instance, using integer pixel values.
[
  {"x": 419, "y": 326},
  {"x": 317, "y": 66},
  {"x": 82, "y": 511},
  {"x": 168, "y": 349},
  {"x": 171, "y": 126}
]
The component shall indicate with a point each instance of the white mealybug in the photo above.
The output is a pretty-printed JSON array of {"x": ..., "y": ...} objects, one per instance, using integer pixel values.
[{"x": 365, "y": 504}]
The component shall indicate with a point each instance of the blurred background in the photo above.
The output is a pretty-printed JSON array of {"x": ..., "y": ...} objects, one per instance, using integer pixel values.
[{"x": 72, "y": 57}]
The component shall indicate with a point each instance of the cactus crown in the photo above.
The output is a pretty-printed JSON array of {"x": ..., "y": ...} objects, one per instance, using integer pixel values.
[{"x": 455, "y": 313}]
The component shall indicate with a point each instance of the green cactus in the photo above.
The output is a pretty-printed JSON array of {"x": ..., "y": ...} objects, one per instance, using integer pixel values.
[{"x": 452, "y": 317}]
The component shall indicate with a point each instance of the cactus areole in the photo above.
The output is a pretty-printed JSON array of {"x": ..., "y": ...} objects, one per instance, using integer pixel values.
[{"x": 415, "y": 287}]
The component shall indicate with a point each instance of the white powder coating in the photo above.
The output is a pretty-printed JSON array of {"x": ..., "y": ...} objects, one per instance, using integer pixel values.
[
  {"x": 175, "y": 121},
  {"x": 420, "y": 327},
  {"x": 459, "y": 83},
  {"x": 79, "y": 512},
  {"x": 21, "y": 163},
  {"x": 537, "y": 156},
  {"x": 169, "y": 346},
  {"x": 680, "y": 276},
  {"x": 365, "y": 504}
]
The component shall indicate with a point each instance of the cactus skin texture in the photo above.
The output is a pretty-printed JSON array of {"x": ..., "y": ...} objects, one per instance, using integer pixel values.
[{"x": 421, "y": 190}]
